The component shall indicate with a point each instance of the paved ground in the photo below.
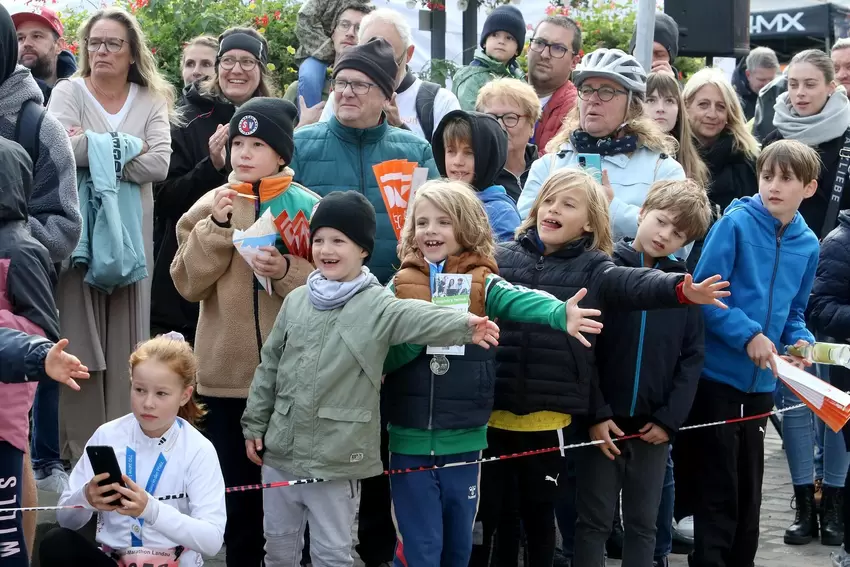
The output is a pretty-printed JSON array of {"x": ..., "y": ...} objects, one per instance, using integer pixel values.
[{"x": 776, "y": 516}]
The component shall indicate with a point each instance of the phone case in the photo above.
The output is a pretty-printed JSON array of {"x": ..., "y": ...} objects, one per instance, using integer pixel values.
[{"x": 103, "y": 460}]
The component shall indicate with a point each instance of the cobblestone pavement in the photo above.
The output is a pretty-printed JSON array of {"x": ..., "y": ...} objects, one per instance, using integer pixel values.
[{"x": 775, "y": 517}]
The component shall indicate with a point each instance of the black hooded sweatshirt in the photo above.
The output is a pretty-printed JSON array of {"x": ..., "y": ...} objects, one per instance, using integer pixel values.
[
  {"x": 8, "y": 45},
  {"x": 29, "y": 275},
  {"x": 191, "y": 174},
  {"x": 742, "y": 88}
]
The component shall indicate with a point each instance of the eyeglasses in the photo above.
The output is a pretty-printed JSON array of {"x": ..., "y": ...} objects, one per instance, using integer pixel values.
[
  {"x": 510, "y": 119},
  {"x": 246, "y": 63},
  {"x": 357, "y": 87},
  {"x": 605, "y": 94},
  {"x": 556, "y": 50},
  {"x": 113, "y": 44},
  {"x": 345, "y": 25}
]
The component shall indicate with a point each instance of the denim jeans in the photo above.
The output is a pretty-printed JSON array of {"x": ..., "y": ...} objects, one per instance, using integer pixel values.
[
  {"x": 311, "y": 81},
  {"x": 798, "y": 435},
  {"x": 664, "y": 523},
  {"x": 44, "y": 445}
]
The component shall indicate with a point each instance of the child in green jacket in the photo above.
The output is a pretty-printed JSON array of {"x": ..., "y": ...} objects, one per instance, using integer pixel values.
[
  {"x": 502, "y": 41},
  {"x": 313, "y": 407}
]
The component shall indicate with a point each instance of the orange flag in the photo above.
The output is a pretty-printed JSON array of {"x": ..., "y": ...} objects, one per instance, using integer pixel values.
[
  {"x": 827, "y": 402},
  {"x": 394, "y": 179}
]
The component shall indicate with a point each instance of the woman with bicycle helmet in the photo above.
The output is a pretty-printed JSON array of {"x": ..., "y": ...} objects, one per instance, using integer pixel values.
[{"x": 610, "y": 122}]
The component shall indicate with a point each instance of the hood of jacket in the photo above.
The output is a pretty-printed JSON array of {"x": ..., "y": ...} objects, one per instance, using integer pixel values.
[
  {"x": 844, "y": 219},
  {"x": 495, "y": 193},
  {"x": 740, "y": 82},
  {"x": 8, "y": 45},
  {"x": 192, "y": 95},
  {"x": 760, "y": 215},
  {"x": 481, "y": 59},
  {"x": 15, "y": 181},
  {"x": 18, "y": 88},
  {"x": 626, "y": 255},
  {"x": 489, "y": 143},
  {"x": 66, "y": 65}
]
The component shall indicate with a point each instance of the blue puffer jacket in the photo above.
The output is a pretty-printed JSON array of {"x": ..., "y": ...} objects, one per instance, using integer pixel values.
[
  {"x": 771, "y": 269},
  {"x": 332, "y": 157}
]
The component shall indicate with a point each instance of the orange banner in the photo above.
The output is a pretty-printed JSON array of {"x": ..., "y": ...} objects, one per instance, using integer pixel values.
[{"x": 394, "y": 180}]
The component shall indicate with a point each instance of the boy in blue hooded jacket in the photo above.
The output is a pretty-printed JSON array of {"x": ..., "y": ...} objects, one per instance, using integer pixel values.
[
  {"x": 764, "y": 248},
  {"x": 473, "y": 147}
]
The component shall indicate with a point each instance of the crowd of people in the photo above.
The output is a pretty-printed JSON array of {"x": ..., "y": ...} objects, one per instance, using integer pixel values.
[{"x": 636, "y": 252}]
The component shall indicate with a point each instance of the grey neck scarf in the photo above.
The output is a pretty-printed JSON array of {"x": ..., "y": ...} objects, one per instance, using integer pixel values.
[
  {"x": 326, "y": 294},
  {"x": 826, "y": 125}
]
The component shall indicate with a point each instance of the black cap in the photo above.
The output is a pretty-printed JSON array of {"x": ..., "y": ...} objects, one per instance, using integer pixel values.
[
  {"x": 666, "y": 33},
  {"x": 505, "y": 18},
  {"x": 241, "y": 40},
  {"x": 350, "y": 213},
  {"x": 375, "y": 59},
  {"x": 269, "y": 119}
]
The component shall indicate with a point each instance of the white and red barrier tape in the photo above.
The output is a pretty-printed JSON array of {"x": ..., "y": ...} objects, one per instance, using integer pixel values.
[{"x": 483, "y": 460}]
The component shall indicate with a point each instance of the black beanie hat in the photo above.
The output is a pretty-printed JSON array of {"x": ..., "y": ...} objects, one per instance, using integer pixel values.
[
  {"x": 666, "y": 33},
  {"x": 241, "y": 40},
  {"x": 350, "y": 213},
  {"x": 505, "y": 18},
  {"x": 375, "y": 59},
  {"x": 269, "y": 119}
]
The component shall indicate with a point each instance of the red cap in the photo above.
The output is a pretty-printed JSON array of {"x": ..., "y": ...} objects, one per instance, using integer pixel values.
[{"x": 44, "y": 16}]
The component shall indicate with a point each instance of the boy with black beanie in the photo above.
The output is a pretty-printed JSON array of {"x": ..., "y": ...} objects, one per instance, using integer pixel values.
[
  {"x": 314, "y": 404},
  {"x": 502, "y": 41}
]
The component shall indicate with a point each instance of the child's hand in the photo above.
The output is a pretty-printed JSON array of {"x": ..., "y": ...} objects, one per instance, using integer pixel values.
[
  {"x": 606, "y": 185},
  {"x": 577, "y": 319},
  {"x": 799, "y": 362},
  {"x": 64, "y": 367},
  {"x": 309, "y": 115},
  {"x": 602, "y": 432},
  {"x": 761, "y": 350},
  {"x": 218, "y": 146},
  {"x": 134, "y": 500},
  {"x": 272, "y": 264},
  {"x": 222, "y": 208},
  {"x": 654, "y": 434},
  {"x": 253, "y": 448},
  {"x": 707, "y": 292},
  {"x": 95, "y": 494},
  {"x": 485, "y": 332}
]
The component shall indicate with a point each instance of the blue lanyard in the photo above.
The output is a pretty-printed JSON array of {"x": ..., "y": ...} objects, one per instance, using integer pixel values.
[
  {"x": 153, "y": 481},
  {"x": 433, "y": 270}
]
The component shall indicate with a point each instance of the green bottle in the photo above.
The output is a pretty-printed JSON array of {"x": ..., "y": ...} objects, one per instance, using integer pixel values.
[{"x": 823, "y": 353}]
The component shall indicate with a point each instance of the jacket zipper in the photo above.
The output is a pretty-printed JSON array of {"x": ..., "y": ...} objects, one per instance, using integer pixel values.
[
  {"x": 431, "y": 406},
  {"x": 769, "y": 300},
  {"x": 526, "y": 343},
  {"x": 639, "y": 355}
]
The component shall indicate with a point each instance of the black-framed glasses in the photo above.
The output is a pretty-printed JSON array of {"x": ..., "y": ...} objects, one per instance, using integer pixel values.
[
  {"x": 556, "y": 50},
  {"x": 605, "y": 94},
  {"x": 357, "y": 87},
  {"x": 246, "y": 63},
  {"x": 113, "y": 44},
  {"x": 509, "y": 119},
  {"x": 345, "y": 25}
]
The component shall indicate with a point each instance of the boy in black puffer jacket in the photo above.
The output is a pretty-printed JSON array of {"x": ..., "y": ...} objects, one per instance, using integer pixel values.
[{"x": 649, "y": 366}]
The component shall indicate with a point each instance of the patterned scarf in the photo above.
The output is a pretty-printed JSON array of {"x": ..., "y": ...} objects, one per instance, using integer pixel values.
[{"x": 584, "y": 143}]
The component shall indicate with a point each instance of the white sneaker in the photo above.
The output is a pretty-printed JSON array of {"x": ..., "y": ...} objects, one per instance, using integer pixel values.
[
  {"x": 56, "y": 481},
  {"x": 686, "y": 527}
]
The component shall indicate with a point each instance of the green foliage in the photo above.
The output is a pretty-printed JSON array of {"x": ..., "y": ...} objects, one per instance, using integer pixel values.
[{"x": 169, "y": 24}]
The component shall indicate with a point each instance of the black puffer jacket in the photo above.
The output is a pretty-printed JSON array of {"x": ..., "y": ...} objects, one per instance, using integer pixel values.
[
  {"x": 649, "y": 361},
  {"x": 541, "y": 369},
  {"x": 190, "y": 175},
  {"x": 814, "y": 208},
  {"x": 829, "y": 304}
]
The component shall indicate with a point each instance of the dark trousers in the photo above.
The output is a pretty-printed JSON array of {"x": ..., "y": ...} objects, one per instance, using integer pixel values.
[
  {"x": 375, "y": 530},
  {"x": 44, "y": 442},
  {"x": 243, "y": 536},
  {"x": 13, "y": 548},
  {"x": 731, "y": 468},
  {"x": 534, "y": 481},
  {"x": 62, "y": 547},
  {"x": 639, "y": 473}
]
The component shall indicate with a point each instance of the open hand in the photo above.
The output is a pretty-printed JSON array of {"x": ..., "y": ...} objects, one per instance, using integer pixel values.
[
  {"x": 602, "y": 432},
  {"x": 761, "y": 350},
  {"x": 222, "y": 208},
  {"x": 392, "y": 112},
  {"x": 577, "y": 319},
  {"x": 218, "y": 146},
  {"x": 64, "y": 367},
  {"x": 707, "y": 292},
  {"x": 253, "y": 448},
  {"x": 134, "y": 499},
  {"x": 485, "y": 332},
  {"x": 309, "y": 115},
  {"x": 271, "y": 263},
  {"x": 654, "y": 434},
  {"x": 95, "y": 494}
]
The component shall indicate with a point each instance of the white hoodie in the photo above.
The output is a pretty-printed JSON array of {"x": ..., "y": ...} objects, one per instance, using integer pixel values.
[{"x": 195, "y": 522}]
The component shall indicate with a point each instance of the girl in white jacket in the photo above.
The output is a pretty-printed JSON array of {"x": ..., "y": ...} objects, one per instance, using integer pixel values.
[{"x": 159, "y": 452}]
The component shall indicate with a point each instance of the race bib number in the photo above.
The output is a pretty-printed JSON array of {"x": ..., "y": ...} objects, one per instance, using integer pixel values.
[{"x": 144, "y": 557}]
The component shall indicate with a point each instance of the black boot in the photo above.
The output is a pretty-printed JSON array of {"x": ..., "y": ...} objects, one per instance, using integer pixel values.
[
  {"x": 832, "y": 521},
  {"x": 805, "y": 526}
]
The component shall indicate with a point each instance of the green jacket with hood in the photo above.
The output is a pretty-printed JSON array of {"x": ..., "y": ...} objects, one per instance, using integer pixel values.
[{"x": 468, "y": 81}]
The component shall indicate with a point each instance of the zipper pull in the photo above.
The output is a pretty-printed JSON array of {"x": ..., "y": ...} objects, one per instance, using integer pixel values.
[{"x": 539, "y": 265}]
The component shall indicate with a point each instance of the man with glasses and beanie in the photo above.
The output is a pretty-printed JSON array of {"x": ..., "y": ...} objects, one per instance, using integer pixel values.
[{"x": 553, "y": 52}]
